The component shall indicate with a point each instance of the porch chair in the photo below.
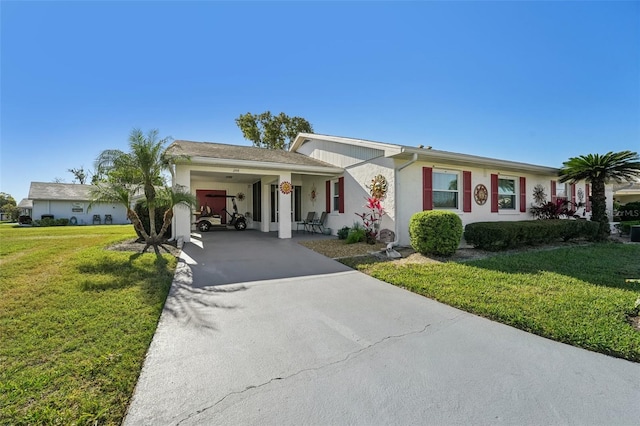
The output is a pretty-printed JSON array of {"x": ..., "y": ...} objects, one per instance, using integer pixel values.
[
  {"x": 307, "y": 223},
  {"x": 108, "y": 220},
  {"x": 319, "y": 223},
  {"x": 96, "y": 219}
]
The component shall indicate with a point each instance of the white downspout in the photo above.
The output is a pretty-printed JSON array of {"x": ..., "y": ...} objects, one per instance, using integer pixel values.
[{"x": 390, "y": 251}]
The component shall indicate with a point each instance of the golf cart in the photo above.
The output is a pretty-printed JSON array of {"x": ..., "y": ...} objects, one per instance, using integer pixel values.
[{"x": 210, "y": 219}]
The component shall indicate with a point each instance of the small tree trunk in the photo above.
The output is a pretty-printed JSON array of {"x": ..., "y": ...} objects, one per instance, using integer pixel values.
[
  {"x": 599, "y": 209},
  {"x": 168, "y": 215},
  {"x": 137, "y": 224}
]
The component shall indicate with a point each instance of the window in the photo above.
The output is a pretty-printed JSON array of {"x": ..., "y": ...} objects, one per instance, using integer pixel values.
[
  {"x": 257, "y": 201},
  {"x": 296, "y": 203},
  {"x": 561, "y": 190},
  {"x": 336, "y": 195},
  {"x": 506, "y": 194},
  {"x": 445, "y": 190}
]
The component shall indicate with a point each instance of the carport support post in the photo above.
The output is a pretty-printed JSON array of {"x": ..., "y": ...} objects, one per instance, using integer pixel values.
[
  {"x": 284, "y": 206},
  {"x": 265, "y": 219}
]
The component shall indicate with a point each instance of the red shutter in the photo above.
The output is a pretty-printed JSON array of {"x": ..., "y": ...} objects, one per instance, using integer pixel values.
[
  {"x": 328, "y": 196},
  {"x": 587, "y": 194},
  {"x": 553, "y": 191},
  {"x": 427, "y": 189},
  {"x": 341, "y": 195},
  {"x": 573, "y": 193},
  {"x": 494, "y": 193},
  {"x": 466, "y": 191},
  {"x": 523, "y": 194}
]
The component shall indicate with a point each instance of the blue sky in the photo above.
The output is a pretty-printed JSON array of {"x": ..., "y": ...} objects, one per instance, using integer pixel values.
[{"x": 537, "y": 82}]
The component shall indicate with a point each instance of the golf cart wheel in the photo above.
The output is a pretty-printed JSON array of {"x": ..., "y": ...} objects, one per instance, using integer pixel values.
[
  {"x": 204, "y": 226},
  {"x": 241, "y": 225}
]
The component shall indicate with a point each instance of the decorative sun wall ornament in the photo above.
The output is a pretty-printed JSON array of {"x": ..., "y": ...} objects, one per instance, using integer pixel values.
[
  {"x": 480, "y": 194},
  {"x": 539, "y": 197},
  {"x": 312, "y": 194},
  {"x": 378, "y": 188},
  {"x": 240, "y": 196},
  {"x": 285, "y": 187}
]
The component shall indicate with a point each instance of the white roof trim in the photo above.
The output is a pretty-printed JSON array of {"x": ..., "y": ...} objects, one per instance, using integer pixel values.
[
  {"x": 475, "y": 160},
  {"x": 389, "y": 149},
  {"x": 250, "y": 164},
  {"x": 392, "y": 150}
]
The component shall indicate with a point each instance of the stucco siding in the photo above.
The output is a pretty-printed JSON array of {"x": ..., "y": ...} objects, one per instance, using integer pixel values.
[
  {"x": 65, "y": 210},
  {"x": 410, "y": 197},
  {"x": 340, "y": 155}
]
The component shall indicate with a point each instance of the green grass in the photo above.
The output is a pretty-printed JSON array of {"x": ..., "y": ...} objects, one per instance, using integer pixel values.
[
  {"x": 75, "y": 322},
  {"x": 573, "y": 295}
]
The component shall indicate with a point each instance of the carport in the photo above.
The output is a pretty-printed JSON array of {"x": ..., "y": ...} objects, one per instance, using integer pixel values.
[{"x": 269, "y": 185}]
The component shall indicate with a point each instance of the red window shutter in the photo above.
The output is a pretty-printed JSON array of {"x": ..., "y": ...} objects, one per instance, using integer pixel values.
[
  {"x": 341, "y": 195},
  {"x": 523, "y": 194},
  {"x": 573, "y": 193},
  {"x": 328, "y": 196},
  {"x": 494, "y": 193},
  {"x": 427, "y": 188},
  {"x": 466, "y": 191},
  {"x": 587, "y": 194},
  {"x": 553, "y": 191}
]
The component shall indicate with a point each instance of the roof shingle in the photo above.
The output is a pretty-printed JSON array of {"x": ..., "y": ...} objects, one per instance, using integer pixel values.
[{"x": 242, "y": 153}]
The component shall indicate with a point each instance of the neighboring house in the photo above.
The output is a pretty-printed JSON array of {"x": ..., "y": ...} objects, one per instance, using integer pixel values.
[
  {"x": 627, "y": 192},
  {"x": 71, "y": 201},
  {"x": 328, "y": 173},
  {"x": 26, "y": 207}
]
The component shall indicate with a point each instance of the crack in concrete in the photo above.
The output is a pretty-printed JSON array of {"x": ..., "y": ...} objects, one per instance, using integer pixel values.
[{"x": 304, "y": 370}]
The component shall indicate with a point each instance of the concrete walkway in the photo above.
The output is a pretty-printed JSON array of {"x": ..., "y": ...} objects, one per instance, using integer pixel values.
[{"x": 261, "y": 331}]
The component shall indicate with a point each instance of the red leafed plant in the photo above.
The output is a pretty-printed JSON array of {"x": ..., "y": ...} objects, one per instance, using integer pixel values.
[{"x": 372, "y": 218}]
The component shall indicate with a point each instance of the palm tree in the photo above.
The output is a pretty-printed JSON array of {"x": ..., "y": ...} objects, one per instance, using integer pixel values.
[
  {"x": 127, "y": 174},
  {"x": 599, "y": 170}
]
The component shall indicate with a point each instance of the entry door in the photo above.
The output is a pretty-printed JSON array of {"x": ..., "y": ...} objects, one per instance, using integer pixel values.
[{"x": 216, "y": 203}]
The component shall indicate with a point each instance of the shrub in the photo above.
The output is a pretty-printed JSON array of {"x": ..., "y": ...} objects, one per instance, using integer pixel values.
[
  {"x": 504, "y": 235},
  {"x": 625, "y": 227},
  {"x": 143, "y": 213},
  {"x": 435, "y": 232},
  {"x": 628, "y": 212},
  {"x": 356, "y": 235},
  {"x": 343, "y": 233}
]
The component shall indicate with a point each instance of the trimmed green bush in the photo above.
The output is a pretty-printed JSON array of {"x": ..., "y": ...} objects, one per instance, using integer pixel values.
[
  {"x": 355, "y": 235},
  {"x": 625, "y": 227},
  {"x": 628, "y": 212},
  {"x": 343, "y": 233},
  {"x": 505, "y": 235},
  {"x": 435, "y": 232}
]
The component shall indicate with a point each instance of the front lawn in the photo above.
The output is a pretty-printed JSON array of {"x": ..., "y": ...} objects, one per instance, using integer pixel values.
[
  {"x": 75, "y": 322},
  {"x": 575, "y": 295}
]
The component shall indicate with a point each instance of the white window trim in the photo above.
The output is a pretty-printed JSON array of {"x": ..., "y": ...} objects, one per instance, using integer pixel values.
[
  {"x": 516, "y": 193},
  {"x": 334, "y": 211},
  {"x": 458, "y": 174}
]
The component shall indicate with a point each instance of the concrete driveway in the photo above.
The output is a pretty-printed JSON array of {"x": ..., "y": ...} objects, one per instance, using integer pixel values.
[{"x": 258, "y": 330}]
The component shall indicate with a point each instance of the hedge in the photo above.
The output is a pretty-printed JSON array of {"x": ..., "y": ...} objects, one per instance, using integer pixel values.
[
  {"x": 435, "y": 232},
  {"x": 505, "y": 235}
]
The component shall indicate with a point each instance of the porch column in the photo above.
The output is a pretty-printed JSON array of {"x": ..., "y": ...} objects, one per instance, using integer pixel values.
[
  {"x": 266, "y": 194},
  {"x": 284, "y": 205},
  {"x": 182, "y": 215}
]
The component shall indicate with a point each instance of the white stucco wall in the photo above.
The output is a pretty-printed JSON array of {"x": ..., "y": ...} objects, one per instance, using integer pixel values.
[
  {"x": 63, "y": 210},
  {"x": 341, "y": 155}
]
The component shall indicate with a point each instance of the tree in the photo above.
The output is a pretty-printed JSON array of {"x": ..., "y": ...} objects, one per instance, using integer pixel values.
[
  {"x": 599, "y": 170},
  {"x": 80, "y": 175},
  {"x": 8, "y": 206},
  {"x": 141, "y": 169},
  {"x": 269, "y": 131}
]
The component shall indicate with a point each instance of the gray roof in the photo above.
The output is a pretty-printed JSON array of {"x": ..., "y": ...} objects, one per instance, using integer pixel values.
[
  {"x": 242, "y": 153},
  {"x": 59, "y": 191},
  {"x": 25, "y": 204}
]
